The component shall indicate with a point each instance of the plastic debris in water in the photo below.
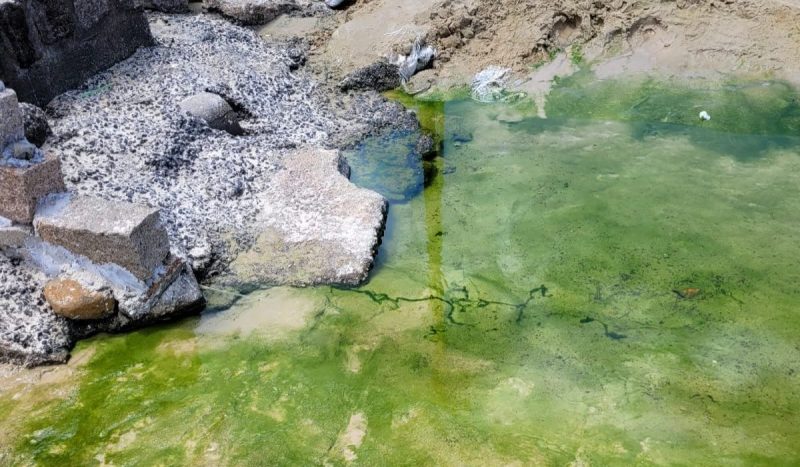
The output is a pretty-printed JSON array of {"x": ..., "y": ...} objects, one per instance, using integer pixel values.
[
  {"x": 489, "y": 85},
  {"x": 705, "y": 116}
]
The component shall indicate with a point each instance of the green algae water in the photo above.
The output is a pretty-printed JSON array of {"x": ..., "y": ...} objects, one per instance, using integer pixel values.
[{"x": 616, "y": 284}]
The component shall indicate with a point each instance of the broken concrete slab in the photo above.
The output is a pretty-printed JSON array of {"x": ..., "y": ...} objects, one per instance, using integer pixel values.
[
  {"x": 127, "y": 234},
  {"x": 318, "y": 228},
  {"x": 24, "y": 183},
  {"x": 11, "y": 125}
]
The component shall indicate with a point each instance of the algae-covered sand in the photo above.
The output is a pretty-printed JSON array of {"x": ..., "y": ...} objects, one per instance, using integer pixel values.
[{"x": 613, "y": 285}]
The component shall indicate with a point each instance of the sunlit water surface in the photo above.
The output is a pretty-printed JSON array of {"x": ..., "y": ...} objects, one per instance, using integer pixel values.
[{"x": 615, "y": 284}]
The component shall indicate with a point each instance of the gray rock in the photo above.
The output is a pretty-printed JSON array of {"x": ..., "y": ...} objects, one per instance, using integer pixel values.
[
  {"x": 22, "y": 151},
  {"x": 251, "y": 12},
  {"x": 166, "y": 6},
  {"x": 11, "y": 127},
  {"x": 380, "y": 76},
  {"x": 35, "y": 122},
  {"x": 214, "y": 110},
  {"x": 49, "y": 46},
  {"x": 127, "y": 234},
  {"x": 24, "y": 183}
]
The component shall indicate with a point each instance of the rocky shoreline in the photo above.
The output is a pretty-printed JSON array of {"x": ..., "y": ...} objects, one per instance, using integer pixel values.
[{"x": 235, "y": 148}]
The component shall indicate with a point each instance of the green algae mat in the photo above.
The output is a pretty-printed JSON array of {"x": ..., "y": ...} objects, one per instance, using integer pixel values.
[{"x": 616, "y": 284}]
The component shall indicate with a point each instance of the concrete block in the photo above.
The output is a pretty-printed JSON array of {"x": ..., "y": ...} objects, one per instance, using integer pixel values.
[
  {"x": 11, "y": 125},
  {"x": 21, "y": 187},
  {"x": 13, "y": 236},
  {"x": 129, "y": 235}
]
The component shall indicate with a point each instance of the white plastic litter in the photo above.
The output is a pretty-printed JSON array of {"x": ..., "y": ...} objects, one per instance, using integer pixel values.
[
  {"x": 705, "y": 116},
  {"x": 489, "y": 85},
  {"x": 419, "y": 59}
]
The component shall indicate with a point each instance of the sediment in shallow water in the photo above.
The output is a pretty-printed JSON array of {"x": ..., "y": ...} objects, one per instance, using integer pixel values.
[{"x": 521, "y": 310}]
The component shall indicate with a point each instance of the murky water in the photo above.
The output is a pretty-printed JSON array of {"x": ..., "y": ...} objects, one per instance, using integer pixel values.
[{"x": 614, "y": 285}]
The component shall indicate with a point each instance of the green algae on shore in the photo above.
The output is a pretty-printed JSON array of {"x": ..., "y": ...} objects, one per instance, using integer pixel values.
[{"x": 521, "y": 310}]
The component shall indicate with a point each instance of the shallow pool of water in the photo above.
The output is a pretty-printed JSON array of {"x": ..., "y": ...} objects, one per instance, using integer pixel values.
[{"x": 613, "y": 285}]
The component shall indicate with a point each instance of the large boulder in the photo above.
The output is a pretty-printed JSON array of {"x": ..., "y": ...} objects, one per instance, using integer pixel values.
[{"x": 49, "y": 46}]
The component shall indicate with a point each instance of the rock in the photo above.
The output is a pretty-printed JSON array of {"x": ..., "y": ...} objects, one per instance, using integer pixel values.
[
  {"x": 11, "y": 127},
  {"x": 22, "y": 150},
  {"x": 201, "y": 259},
  {"x": 214, "y": 110},
  {"x": 166, "y": 6},
  {"x": 251, "y": 12},
  {"x": 70, "y": 299},
  {"x": 182, "y": 296},
  {"x": 143, "y": 149},
  {"x": 35, "y": 122},
  {"x": 380, "y": 76},
  {"x": 49, "y": 46},
  {"x": 332, "y": 243},
  {"x": 22, "y": 186},
  {"x": 13, "y": 237},
  {"x": 129, "y": 235},
  {"x": 30, "y": 333}
]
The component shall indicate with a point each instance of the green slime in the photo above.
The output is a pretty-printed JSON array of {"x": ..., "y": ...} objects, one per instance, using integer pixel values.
[{"x": 522, "y": 309}]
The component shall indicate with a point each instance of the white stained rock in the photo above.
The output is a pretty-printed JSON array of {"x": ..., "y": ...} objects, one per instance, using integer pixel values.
[
  {"x": 705, "y": 116},
  {"x": 489, "y": 85}
]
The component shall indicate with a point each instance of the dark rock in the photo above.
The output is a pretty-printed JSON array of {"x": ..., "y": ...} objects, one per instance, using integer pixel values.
[
  {"x": 166, "y": 6},
  {"x": 50, "y": 46},
  {"x": 426, "y": 147},
  {"x": 251, "y": 12},
  {"x": 214, "y": 110},
  {"x": 380, "y": 76},
  {"x": 35, "y": 120}
]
